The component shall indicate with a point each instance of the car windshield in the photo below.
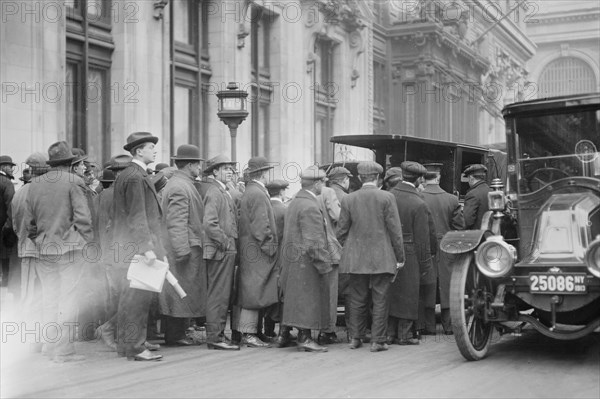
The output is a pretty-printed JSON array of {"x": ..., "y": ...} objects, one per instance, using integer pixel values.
[{"x": 552, "y": 147}]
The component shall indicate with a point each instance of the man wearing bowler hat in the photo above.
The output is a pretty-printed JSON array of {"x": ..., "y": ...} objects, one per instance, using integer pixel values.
[
  {"x": 183, "y": 212},
  {"x": 306, "y": 263},
  {"x": 59, "y": 223},
  {"x": 7, "y": 190},
  {"x": 220, "y": 248},
  {"x": 257, "y": 273},
  {"x": 476, "y": 201},
  {"x": 404, "y": 292},
  {"x": 370, "y": 232},
  {"x": 137, "y": 230},
  {"x": 447, "y": 215}
]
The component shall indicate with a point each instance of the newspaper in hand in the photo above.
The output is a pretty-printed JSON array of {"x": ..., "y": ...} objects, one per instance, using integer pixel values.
[{"x": 147, "y": 277}]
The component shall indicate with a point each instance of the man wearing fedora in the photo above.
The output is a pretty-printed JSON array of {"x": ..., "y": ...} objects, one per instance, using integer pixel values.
[
  {"x": 476, "y": 200},
  {"x": 306, "y": 263},
  {"x": 371, "y": 235},
  {"x": 7, "y": 190},
  {"x": 59, "y": 223},
  {"x": 257, "y": 273},
  {"x": 404, "y": 291},
  {"x": 220, "y": 248},
  {"x": 183, "y": 212},
  {"x": 137, "y": 230}
]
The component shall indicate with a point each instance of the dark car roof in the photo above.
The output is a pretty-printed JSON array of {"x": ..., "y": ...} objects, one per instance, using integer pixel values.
[
  {"x": 374, "y": 141},
  {"x": 552, "y": 103}
]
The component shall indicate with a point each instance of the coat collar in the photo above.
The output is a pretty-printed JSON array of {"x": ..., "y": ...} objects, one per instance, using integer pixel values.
[
  {"x": 305, "y": 194},
  {"x": 369, "y": 187},
  {"x": 11, "y": 177},
  {"x": 479, "y": 183},
  {"x": 433, "y": 189},
  {"x": 405, "y": 188}
]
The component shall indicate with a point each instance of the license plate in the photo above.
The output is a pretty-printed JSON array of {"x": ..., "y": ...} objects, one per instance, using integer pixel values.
[{"x": 563, "y": 283}]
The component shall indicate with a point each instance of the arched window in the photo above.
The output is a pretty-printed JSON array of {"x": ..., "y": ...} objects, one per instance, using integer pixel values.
[{"x": 566, "y": 75}]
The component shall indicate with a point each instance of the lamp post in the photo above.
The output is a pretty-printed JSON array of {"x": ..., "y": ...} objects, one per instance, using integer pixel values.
[{"x": 232, "y": 111}]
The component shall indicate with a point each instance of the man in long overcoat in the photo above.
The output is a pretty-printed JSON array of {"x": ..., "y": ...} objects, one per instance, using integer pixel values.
[
  {"x": 183, "y": 212},
  {"x": 418, "y": 270},
  {"x": 220, "y": 243},
  {"x": 257, "y": 274},
  {"x": 137, "y": 230},
  {"x": 370, "y": 232},
  {"x": 476, "y": 200},
  {"x": 59, "y": 223},
  {"x": 306, "y": 263},
  {"x": 447, "y": 215},
  {"x": 7, "y": 190}
]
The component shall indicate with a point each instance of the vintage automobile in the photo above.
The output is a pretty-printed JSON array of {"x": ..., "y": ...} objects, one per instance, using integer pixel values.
[
  {"x": 392, "y": 150},
  {"x": 535, "y": 261}
]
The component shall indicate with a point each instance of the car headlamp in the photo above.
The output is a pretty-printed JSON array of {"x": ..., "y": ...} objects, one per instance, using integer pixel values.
[
  {"x": 496, "y": 201},
  {"x": 495, "y": 258},
  {"x": 592, "y": 257}
]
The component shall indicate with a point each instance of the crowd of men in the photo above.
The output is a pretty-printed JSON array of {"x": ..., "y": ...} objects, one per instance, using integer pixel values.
[{"x": 235, "y": 245}]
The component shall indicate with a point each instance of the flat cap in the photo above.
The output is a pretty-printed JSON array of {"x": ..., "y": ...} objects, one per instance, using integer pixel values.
[
  {"x": 277, "y": 184},
  {"x": 475, "y": 169},
  {"x": 393, "y": 174},
  {"x": 37, "y": 159},
  {"x": 338, "y": 171},
  {"x": 313, "y": 173},
  {"x": 434, "y": 169},
  {"x": 369, "y": 168},
  {"x": 412, "y": 169}
]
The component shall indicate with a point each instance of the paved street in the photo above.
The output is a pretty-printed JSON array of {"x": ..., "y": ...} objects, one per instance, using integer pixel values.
[{"x": 527, "y": 366}]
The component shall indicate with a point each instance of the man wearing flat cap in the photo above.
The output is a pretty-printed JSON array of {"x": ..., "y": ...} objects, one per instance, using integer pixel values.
[
  {"x": 476, "y": 201},
  {"x": 220, "y": 249},
  {"x": 370, "y": 232},
  {"x": 7, "y": 190},
  {"x": 59, "y": 223},
  {"x": 447, "y": 215},
  {"x": 257, "y": 272},
  {"x": 137, "y": 230},
  {"x": 404, "y": 292},
  {"x": 306, "y": 263}
]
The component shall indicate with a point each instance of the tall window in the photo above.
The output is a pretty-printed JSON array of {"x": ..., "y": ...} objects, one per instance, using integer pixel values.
[
  {"x": 380, "y": 94},
  {"x": 262, "y": 89},
  {"x": 566, "y": 75},
  {"x": 190, "y": 70},
  {"x": 87, "y": 78},
  {"x": 325, "y": 91}
]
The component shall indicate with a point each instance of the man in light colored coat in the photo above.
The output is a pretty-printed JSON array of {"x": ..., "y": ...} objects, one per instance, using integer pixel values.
[{"x": 370, "y": 232}]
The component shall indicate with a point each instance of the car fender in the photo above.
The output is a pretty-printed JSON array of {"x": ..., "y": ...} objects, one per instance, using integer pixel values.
[{"x": 460, "y": 242}]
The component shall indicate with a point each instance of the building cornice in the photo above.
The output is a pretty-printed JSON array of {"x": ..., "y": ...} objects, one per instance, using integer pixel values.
[{"x": 566, "y": 16}]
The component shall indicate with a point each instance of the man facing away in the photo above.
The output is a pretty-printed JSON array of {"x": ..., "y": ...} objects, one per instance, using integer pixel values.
[
  {"x": 370, "y": 232},
  {"x": 476, "y": 201}
]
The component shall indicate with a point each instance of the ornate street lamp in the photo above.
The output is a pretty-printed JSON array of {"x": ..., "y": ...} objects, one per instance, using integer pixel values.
[{"x": 232, "y": 111}]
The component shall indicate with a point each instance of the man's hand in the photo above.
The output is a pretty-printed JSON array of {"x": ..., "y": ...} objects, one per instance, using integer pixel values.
[{"x": 150, "y": 257}]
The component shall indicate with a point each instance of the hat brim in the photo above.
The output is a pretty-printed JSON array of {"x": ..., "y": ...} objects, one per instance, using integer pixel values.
[
  {"x": 8, "y": 163},
  {"x": 187, "y": 159},
  {"x": 79, "y": 159},
  {"x": 61, "y": 161},
  {"x": 267, "y": 167},
  {"x": 213, "y": 167},
  {"x": 135, "y": 143}
]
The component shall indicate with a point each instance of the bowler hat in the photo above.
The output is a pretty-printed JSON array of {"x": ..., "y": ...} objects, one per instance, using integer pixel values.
[
  {"x": 188, "y": 152},
  {"x": 5, "y": 159},
  {"x": 277, "y": 184},
  {"x": 313, "y": 173},
  {"x": 393, "y": 174},
  {"x": 217, "y": 161},
  {"x": 411, "y": 169},
  {"x": 119, "y": 162},
  {"x": 257, "y": 164},
  {"x": 107, "y": 176},
  {"x": 60, "y": 153},
  {"x": 369, "y": 168},
  {"x": 475, "y": 169},
  {"x": 160, "y": 166},
  {"x": 138, "y": 138},
  {"x": 338, "y": 171}
]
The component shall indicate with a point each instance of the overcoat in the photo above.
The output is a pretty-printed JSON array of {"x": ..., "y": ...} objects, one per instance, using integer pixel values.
[
  {"x": 370, "y": 232},
  {"x": 257, "y": 272},
  {"x": 340, "y": 192},
  {"x": 476, "y": 204},
  {"x": 447, "y": 215},
  {"x": 330, "y": 206},
  {"x": 183, "y": 211},
  {"x": 136, "y": 215},
  {"x": 305, "y": 265},
  {"x": 7, "y": 191},
  {"x": 220, "y": 222},
  {"x": 404, "y": 292},
  {"x": 104, "y": 223}
]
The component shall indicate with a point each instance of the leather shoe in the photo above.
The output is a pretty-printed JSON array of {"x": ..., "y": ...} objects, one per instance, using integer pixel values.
[
  {"x": 355, "y": 343},
  {"x": 151, "y": 347},
  {"x": 410, "y": 341},
  {"x": 327, "y": 338},
  {"x": 181, "y": 342},
  {"x": 252, "y": 341},
  {"x": 281, "y": 341},
  {"x": 448, "y": 332},
  {"x": 223, "y": 345},
  {"x": 310, "y": 346},
  {"x": 378, "y": 346},
  {"x": 145, "y": 356}
]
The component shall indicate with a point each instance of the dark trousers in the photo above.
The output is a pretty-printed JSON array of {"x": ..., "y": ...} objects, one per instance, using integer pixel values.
[
  {"x": 360, "y": 287},
  {"x": 426, "y": 321},
  {"x": 117, "y": 283},
  {"x": 220, "y": 284},
  {"x": 175, "y": 328},
  {"x": 132, "y": 321}
]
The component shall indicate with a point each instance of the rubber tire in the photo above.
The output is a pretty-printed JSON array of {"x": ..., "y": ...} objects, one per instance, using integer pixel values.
[{"x": 464, "y": 271}]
